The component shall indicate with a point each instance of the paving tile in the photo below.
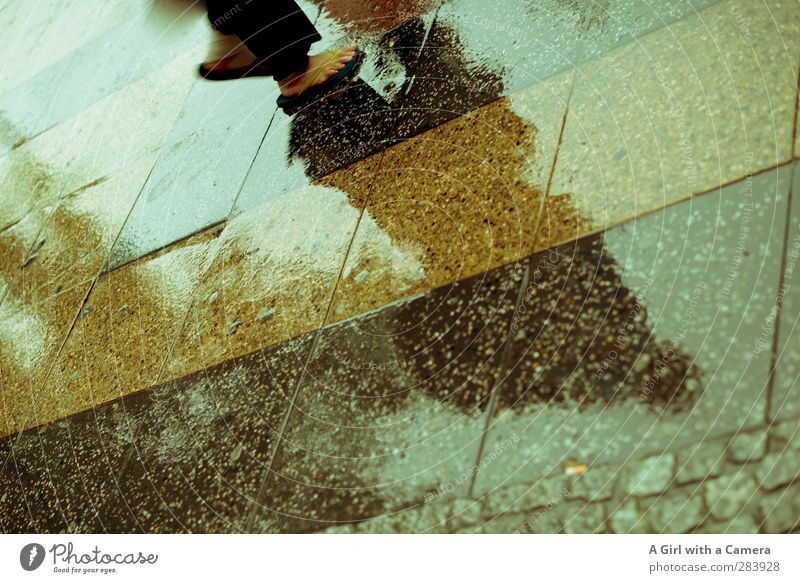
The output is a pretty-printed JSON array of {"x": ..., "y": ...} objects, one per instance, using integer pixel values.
[
  {"x": 17, "y": 241},
  {"x": 202, "y": 445},
  {"x": 273, "y": 274},
  {"x": 528, "y": 42},
  {"x": 75, "y": 241},
  {"x": 649, "y": 337},
  {"x": 786, "y": 388},
  {"x": 42, "y": 33},
  {"x": 125, "y": 329},
  {"x": 134, "y": 48},
  {"x": 67, "y": 470},
  {"x": 95, "y": 144},
  {"x": 459, "y": 200},
  {"x": 30, "y": 338},
  {"x": 28, "y": 184},
  {"x": 333, "y": 134},
  {"x": 391, "y": 408},
  {"x": 15, "y": 516},
  {"x": 201, "y": 167},
  {"x": 679, "y": 112}
]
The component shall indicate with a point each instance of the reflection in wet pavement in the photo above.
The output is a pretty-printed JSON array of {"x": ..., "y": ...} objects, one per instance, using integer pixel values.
[{"x": 537, "y": 256}]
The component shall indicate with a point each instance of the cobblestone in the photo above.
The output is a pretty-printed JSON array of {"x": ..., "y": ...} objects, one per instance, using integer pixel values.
[
  {"x": 626, "y": 518},
  {"x": 785, "y": 435},
  {"x": 593, "y": 486},
  {"x": 727, "y": 495},
  {"x": 675, "y": 513},
  {"x": 651, "y": 476},
  {"x": 780, "y": 511},
  {"x": 524, "y": 497},
  {"x": 747, "y": 447},
  {"x": 741, "y": 524},
  {"x": 463, "y": 513},
  {"x": 778, "y": 469},
  {"x": 583, "y": 518},
  {"x": 704, "y": 461}
]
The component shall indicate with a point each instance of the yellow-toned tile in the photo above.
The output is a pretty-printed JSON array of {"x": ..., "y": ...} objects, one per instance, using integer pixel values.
[
  {"x": 274, "y": 273},
  {"x": 16, "y": 243},
  {"x": 455, "y": 201},
  {"x": 698, "y": 104},
  {"x": 30, "y": 337},
  {"x": 125, "y": 329},
  {"x": 75, "y": 242}
]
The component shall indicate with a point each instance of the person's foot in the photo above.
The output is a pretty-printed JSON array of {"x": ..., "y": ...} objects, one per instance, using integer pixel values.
[{"x": 319, "y": 69}]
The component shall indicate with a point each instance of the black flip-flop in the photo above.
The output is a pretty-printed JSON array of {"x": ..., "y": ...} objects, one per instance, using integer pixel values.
[
  {"x": 291, "y": 105},
  {"x": 255, "y": 70}
]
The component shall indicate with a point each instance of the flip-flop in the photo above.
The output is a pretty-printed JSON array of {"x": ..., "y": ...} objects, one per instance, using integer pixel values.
[
  {"x": 227, "y": 74},
  {"x": 290, "y": 105}
]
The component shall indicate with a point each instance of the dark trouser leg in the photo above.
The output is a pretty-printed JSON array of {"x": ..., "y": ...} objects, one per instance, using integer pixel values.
[{"x": 275, "y": 31}]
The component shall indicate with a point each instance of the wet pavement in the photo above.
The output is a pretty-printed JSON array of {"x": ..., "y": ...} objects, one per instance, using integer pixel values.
[{"x": 533, "y": 272}]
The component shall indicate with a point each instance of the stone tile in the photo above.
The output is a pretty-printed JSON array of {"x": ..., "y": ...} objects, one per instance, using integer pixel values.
[
  {"x": 125, "y": 329},
  {"x": 124, "y": 54},
  {"x": 674, "y": 513},
  {"x": 317, "y": 141},
  {"x": 652, "y": 475},
  {"x": 626, "y": 518},
  {"x": 532, "y": 41},
  {"x": 780, "y": 511},
  {"x": 30, "y": 339},
  {"x": 68, "y": 469},
  {"x": 678, "y": 112},
  {"x": 443, "y": 79},
  {"x": 747, "y": 447},
  {"x": 202, "y": 166},
  {"x": 390, "y": 411},
  {"x": 454, "y": 202},
  {"x": 726, "y": 496},
  {"x": 119, "y": 128},
  {"x": 15, "y": 516},
  {"x": 95, "y": 144},
  {"x": 75, "y": 241},
  {"x": 700, "y": 461},
  {"x": 542, "y": 493},
  {"x": 778, "y": 469},
  {"x": 45, "y": 32},
  {"x": 202, "y": 445},
  {"x": 786, "y": 388},
  {"x": 649, "y": 337},
  {"x": 582, "y": 518},
  {"x": 16, "y": 243},
  {"x": 29, "y": 187},
  {"x": 272, "y": 275}
]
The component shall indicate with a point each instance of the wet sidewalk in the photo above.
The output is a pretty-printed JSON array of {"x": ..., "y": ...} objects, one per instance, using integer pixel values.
[{"x": 533, "y": 272}]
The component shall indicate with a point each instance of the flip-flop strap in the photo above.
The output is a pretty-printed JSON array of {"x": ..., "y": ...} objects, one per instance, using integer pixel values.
[{"x": 334, "y": 54}]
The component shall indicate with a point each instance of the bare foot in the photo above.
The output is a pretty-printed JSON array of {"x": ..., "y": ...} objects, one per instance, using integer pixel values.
[{"x": 320, "y": 68}]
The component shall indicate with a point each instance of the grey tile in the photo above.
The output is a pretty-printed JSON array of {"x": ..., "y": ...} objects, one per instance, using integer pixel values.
[
  {"x": 391, "y": 410},
  {"x": 203, "y": 443},
  {"x": 126, "y": 53},
  {"x": 645, "y": 338},
  {"x": 202, "y": 166}
]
